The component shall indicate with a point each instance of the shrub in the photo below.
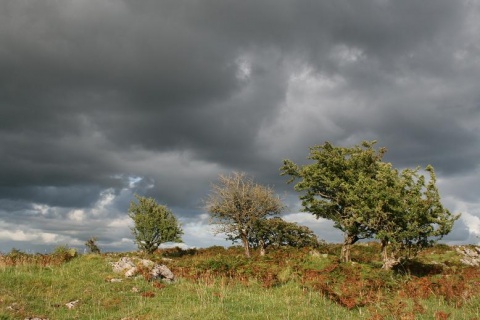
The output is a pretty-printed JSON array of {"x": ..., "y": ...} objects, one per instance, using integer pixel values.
[{"x": 64, "y": 253}]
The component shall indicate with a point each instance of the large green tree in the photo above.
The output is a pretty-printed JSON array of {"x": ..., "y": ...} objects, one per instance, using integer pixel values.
[
  {"x": 236, "y": 203},
  {"x": 276, "y": 232},
  {"x": 333, "y": 187},
  {"x": 154, "y": 224},
  {"x": 366, "y": 197}
]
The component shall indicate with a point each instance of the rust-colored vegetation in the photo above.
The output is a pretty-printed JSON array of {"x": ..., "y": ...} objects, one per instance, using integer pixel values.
[
  {"x": 401, "y": 293},
  {"x": 436, "y": 276}
]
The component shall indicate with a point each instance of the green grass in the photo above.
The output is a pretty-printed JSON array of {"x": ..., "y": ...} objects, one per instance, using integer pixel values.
[{"x": 215, "y": 284}]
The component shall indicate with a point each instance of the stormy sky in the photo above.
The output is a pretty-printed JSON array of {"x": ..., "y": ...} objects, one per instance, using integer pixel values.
[{"x": 100, "y": 100}]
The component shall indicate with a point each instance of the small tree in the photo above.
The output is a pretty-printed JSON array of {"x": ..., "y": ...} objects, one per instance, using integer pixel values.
[
  {"x": 276, "y": 232},
  {"x": 154, "y": 224},
  {"x": 409, "y": 215},
  {"x": 237, "y": 203},
  {"x": 91, "y": 245},
  {"x": 334, "y": 187}
]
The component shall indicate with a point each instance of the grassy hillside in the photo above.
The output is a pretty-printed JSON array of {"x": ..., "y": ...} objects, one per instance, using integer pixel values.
[{"x": 219, "y": 283}]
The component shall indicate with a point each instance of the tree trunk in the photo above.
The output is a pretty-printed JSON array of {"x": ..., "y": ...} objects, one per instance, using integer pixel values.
[
  {"x": 245, "y": 245},
  {"x": 388, "y": 262},
  {"x": 348, "y": 241},
  {"x": 262, "y": 248}
]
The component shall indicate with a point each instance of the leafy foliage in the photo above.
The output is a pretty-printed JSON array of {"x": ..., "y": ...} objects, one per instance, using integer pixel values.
[
  {"x": 91, "y": 244},
  {"x": 154, "y": 224},
  {"x": 334, "y": 187},
  {"x": 408, "y": 215},
  {"x": 276, "y": 232},
  {"x": 366, "y": 197},
  {"x": 237, "y": 203}
]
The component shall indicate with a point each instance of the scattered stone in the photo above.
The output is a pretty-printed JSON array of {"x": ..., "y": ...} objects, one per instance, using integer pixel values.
[
  {"x": 129, "y": 268},
  {"x": 72, "y": 304},
  {"x": 135, "y": 290},
  {"x": 115, "y": 280},
  {"x": 147, "y": 263},
  {"x": 314, "y": 253},
  {"x": 35, "y": 318},
  {"x": 14, "y": 307},
  {"x": 161, "y": 271},
  {"x": 123, "y": 264},
  {"x": 131, "y": 272},
  {"x": 471, "y": 255}
]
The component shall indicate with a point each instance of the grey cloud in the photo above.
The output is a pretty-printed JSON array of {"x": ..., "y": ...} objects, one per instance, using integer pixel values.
[{"x": 174, "y": 93}]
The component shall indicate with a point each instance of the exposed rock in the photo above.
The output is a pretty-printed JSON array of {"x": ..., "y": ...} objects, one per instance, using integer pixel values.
[
  {"x": 122, "y": 265},
  {"x": 471, "y": 255},
  {"x": 72, "y": 304},
  {"x": 129, "y": 268},
  {"x": 13, "y": 307},
  {"x": 147, "y": 263},
  {"x": 132, "y": 272},
  {"x": 160, "y": 271},
  {"x": 35, "y": 318},
  {"x": 314, "y": 253}
]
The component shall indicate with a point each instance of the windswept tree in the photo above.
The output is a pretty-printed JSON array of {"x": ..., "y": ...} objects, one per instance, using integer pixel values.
[
  {"x": 334, "y": 187},
  {"x": 366, "y": 197},
  {"x": 236, "y": 204},
  {"x": 276, "y": 232},
  {"x": 154, "y": 224},
  {"x": 408, "y": 215}
]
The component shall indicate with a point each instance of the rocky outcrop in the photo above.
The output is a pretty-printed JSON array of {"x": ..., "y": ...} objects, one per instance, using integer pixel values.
[
  {"x": 471, "y": 255},
  {"x": 131, "y": 267},
  {"x": 122, "y": 265},
  {"x": 161, "y": 271}
]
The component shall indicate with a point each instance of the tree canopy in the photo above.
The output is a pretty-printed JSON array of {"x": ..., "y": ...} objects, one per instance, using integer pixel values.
[
  {"x": 154, "y": 224},
  {"x": 276, "y": 232},
  {"x": 366, "y": 197},
  {"x": 408, "y": 215},
  {"x": 333, "y": 187}
]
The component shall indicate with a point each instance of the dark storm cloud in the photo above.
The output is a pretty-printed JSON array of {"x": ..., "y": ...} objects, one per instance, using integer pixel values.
[{"x": 159, "y": 97}]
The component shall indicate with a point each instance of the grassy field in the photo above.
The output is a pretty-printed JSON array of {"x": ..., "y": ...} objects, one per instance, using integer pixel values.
[{"x": 217, "y": 283}]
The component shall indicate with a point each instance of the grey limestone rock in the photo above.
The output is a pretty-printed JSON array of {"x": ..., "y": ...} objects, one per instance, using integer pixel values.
[
  {"x": 471, "y": 255},
  {"x": 130, "y": 268}
]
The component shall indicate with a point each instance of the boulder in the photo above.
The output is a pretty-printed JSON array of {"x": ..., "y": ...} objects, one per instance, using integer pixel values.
[
  {"x": 122, "y": 265},
  {"x": 147, "y": 263},
  {"x": 132, "y": 272},
  {"x": 471, "y": 255},
  {"x": 160, "y": 271},
  {"x": 131, "y": 267}
]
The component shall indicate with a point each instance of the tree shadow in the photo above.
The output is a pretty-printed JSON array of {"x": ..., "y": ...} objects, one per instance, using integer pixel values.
[{"x": 419, "y": 269}]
